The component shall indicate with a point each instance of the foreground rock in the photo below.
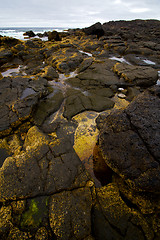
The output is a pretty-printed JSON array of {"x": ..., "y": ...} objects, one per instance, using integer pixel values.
[
  {"x": 127, "y": 145},
  {"x": 48, "y": 171}
]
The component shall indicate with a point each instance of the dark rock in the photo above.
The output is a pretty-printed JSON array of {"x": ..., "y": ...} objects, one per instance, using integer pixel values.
[
  {"x": 43, "y": 167},
  {"x": 8, "y": 41},
  {"x": 40, "y": 35},
  {"x": 34, "y": 43},
  {"x": 140, "y": 76},
  {"x": 100, "y": 74},
  {"x": 65, "y": 59},
  {"x": 54, "y": 35},
  {"x": 50, "y": 73},
  {"x": 77, "y": 102},
  {"x": 29, "y": 34},
  {"x": 122, "y": 222},
  {"x": 75, "y": 226},
  {"x": 5, "y": 56},
  {"x": 132, "y": 92},
  {"x": 95, "y": 29},
  {"x": 19, "y": 96},
  {"x": 85, "y": 64},
  {"x": 127, "y": 144},
  {"x": 47, "y": 106},
  {"x": 5, "y": 221}
]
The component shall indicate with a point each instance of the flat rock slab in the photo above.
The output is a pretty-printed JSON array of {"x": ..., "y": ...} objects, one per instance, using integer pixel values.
[
  {"x": 140, "y": 76},
  {"x": 99, "y": 74},
  {"x": 77, "y": 102},
  {"x": 19, "y": 95},
  {"x": 130, "y": 142}
]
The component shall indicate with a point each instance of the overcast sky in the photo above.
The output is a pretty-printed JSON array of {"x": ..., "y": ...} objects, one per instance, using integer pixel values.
[{"x": 74, "y": 13}]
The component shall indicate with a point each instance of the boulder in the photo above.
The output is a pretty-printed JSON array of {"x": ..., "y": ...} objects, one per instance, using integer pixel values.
[
  {"x": 43, "y": 167},
  {"x": 100, "y": 74},
  {"x": 64, "y": 205},
  {"x": 50, "y": 73},
  {"x": 65, "y": 59},
  {"x": 95, "y": 29},
  {"x": 54, "y": 35},
  {"x": 47, "y": 106},
  {"x": 85, "y": 64},
  {"x": 127, "y": 143},
  {"x": 29, "y": 34}
]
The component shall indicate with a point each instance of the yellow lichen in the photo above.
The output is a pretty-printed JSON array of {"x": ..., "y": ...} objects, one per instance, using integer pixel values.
[{"x": 85, "y": 137}]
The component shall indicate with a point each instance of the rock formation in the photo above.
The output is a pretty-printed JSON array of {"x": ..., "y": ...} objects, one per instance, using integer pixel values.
[{"x": 51, "y": 94}]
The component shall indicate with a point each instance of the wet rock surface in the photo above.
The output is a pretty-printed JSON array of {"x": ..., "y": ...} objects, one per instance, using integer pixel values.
[{"x": 57, "y": 98}]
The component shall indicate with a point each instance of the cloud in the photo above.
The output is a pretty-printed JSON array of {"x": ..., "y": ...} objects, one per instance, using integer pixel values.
[
  {"x": 73, "y": 13},
  {"x": 117, "y": 2},
  {"x": 140, "y": 10}
]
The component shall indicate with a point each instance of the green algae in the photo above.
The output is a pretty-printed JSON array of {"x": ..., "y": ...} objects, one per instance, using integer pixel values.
[{"x": 37, "y": 211}]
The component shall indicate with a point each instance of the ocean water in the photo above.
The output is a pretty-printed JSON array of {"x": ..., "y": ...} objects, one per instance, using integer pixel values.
[{"x": 17, "y": 32}]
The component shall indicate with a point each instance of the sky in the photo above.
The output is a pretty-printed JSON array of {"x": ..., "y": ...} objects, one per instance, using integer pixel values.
[{"x": 74, "y": 13}]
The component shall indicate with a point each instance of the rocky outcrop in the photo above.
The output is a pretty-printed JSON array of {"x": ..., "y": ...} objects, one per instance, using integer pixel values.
[
  {"x": 65, "y": 59},
  {"x": 113, "y": 218},
  {"x": 29, "y": 34},
  {"x": 8, "y": 42},
  {"x": 45, "y": 190},
  {"x": 54, "y": 35},
  {"x": 5, "y": 56},
  {"x": 95, "y": 29}
]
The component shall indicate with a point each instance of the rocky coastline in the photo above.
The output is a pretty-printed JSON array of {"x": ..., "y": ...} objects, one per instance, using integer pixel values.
[{"x": 80, "y": 134}]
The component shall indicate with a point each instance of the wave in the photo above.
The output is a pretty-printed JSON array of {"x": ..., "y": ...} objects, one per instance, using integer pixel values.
[{"x": 18, "y": 32}]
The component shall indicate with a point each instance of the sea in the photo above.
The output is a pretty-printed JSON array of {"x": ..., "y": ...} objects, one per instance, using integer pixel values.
[{"x": 17, "y": 32}]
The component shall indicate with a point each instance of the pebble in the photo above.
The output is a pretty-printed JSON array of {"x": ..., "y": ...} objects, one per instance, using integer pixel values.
[{"x": 121, "y": 95}]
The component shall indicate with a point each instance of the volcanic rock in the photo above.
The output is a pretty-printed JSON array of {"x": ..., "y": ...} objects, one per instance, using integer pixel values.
[
  {"x": 127, "y": 144},
  {"x": 140, "y": 76},
  {"x": 29, "y": 34},
  {"x": 54, "y": 35},
  {"x": 95, "y": 29}
]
